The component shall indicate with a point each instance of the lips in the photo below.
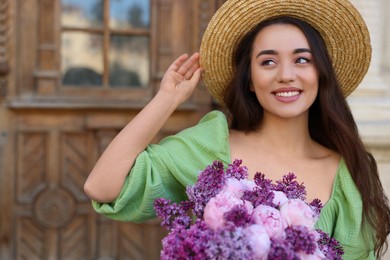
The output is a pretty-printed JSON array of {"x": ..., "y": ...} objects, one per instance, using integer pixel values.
[{"x": 287, "y": 95}]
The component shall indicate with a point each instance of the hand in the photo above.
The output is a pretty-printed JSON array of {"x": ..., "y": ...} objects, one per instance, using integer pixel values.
[{"x": 182, "y": 77}]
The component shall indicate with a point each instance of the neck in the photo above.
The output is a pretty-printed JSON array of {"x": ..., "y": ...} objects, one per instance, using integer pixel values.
[{"x": 285, "y": 136}]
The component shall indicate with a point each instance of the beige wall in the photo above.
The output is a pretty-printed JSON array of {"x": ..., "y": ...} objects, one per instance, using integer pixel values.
[{"x": 386, "y": 38}]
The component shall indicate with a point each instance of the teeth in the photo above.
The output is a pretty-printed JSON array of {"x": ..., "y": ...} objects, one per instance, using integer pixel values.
[{"x": 287, "y": 94}]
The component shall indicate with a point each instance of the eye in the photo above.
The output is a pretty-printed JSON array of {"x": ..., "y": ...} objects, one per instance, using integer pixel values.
[
  {"x": 302, "y": 60},
  {"x": 268, "y": 62}
]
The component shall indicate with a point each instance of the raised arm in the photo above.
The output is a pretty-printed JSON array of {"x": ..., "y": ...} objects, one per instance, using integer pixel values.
[{"x": 106, "y": 179}]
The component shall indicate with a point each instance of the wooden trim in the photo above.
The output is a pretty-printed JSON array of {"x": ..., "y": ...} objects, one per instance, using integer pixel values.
[
  {"x": 47, "y": 48},
  {"x": 51, "y": 104},
  {"x": 4, "y": 47},
  {"x": 81, "y": 29},
  {"x": 135, "y": 32},
  {"x": 153, "y": 45},
  {"x": 106, "y": 43}
]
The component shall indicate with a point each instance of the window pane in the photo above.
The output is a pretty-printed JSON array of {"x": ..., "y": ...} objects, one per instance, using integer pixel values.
[
  {"x": 83, "y": 14},
  {"x": 129, "y": 61},
  {"x": 82, "y": 62},
  {"x": 125, "y": 14}
]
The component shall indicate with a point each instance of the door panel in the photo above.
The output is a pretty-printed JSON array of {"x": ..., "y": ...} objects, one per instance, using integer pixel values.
[{"x": 51, "y": 212}]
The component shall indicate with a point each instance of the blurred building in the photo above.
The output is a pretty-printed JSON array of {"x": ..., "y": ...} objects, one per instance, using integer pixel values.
[{"x": 73, "y": 73}]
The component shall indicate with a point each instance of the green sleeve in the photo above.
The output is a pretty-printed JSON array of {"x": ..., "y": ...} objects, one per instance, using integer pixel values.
[
  {"x": 342, "y": 218},
  {"x": 165, "y": 170}
]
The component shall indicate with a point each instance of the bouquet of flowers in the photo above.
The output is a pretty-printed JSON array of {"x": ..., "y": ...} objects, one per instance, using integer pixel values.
[{"x": 236, "y": 218}]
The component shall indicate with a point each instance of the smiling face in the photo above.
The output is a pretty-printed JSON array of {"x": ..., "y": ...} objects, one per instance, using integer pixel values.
[{"x": 284, "y": 76}]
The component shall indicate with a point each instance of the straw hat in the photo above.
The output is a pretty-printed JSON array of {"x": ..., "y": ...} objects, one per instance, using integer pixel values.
[{"x": 338, "y": 21}]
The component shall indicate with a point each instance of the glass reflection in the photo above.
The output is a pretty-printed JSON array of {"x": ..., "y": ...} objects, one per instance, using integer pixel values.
[
  {"x": 82, "y": 14},
  {"x": 82, "y": 58},
  {"x": 129, "y": 61},
  {"x": 125, "y": 14}
]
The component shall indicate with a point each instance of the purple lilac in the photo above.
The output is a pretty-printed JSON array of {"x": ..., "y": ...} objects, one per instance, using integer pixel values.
[
  {"x": 282, "y": 250},
  {"x": 301, "y": 239},
  {"x": 291, "y": 187},
  {"x": 262, "y": 182},
  {"x": 172, "y": 214},
  {"x": 262, "y": 194},
  {"x": 259, "y": 196},
  {"x": 210, "y": 183},
  {"x": 229, "y": 243},
  {"x": 234, "y": 170},
  {"x": 239, "y": 216},
  {"x": 189, "y": 243},
  {"x": 330, "y": 247},
  {"x": 316, "y": 205}
]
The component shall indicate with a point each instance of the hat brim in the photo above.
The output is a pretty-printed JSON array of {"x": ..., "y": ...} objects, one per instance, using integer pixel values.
[{"x": 340, "y": 24}]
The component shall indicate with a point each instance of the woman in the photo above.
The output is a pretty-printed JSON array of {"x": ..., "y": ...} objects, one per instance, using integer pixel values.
[{"x": 282, "y": 70}]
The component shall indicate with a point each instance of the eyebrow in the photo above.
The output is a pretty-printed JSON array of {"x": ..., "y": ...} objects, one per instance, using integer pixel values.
[{"x": 274, "y": 52}]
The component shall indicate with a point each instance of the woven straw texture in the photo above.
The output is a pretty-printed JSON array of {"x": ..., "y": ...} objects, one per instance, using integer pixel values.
[{"x": 338, "y": 21}]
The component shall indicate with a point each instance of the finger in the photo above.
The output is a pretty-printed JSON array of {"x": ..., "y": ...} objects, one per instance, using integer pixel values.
[
  {"x": 178, "y": 62},
  {"x": 191, "y": 71},
  {"x": 186, "y": 66},
  {"x": 196, "y": 76}
]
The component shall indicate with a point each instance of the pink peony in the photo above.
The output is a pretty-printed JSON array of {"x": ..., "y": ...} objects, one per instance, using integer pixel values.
[
  {"x": 297, "y": 212},
  {"x": 271, "y": 219},
  {"x": 259, "y": 240},
  {"x": 219, "y": 205},
  {"x": 280, "y": 198},
  {"x": 237, "y": 187}
]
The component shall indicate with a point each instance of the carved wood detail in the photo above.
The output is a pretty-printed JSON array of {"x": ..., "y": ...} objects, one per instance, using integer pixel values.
[
  {"x": 205, "y": 10},
  {"x": 52, "y": 214},
  {"x": 31, "y": 172},
  {"x": 103, "y": 139},
  {"x": 203, "y": 17},
  {"x": 30, "y": 242},
  {"x": 107, "y": 244},
  {"x": 54, "y": 208},
  {"x": 74, "y": 240},
  {"x": 75, "y": 163},
  {"x": 4, "y": 45},
  {"x": 130, "y": 242}
]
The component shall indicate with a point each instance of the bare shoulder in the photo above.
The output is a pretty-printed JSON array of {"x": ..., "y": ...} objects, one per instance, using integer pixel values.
[{"x": 325, "y": 155}]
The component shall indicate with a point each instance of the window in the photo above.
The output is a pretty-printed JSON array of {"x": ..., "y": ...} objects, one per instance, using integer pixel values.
[{"x": 105, "y": 44}]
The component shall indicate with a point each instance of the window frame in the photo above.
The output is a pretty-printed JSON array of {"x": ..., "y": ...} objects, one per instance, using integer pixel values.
[{"x": 105, "y": 91}]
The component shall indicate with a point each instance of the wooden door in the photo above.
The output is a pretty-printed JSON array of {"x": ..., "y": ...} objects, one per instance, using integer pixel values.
[{"x": 54, "y": 126}]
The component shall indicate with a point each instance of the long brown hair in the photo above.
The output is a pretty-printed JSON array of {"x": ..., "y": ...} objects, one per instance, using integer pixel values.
[{"x": 330, "y": 122}]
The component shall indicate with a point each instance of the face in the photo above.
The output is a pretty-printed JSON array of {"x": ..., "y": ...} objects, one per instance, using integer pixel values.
[{"x": 284, "y": 77}]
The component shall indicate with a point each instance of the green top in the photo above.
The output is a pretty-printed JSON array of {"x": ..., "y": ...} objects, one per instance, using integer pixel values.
[{"x": 165, "y": 170}]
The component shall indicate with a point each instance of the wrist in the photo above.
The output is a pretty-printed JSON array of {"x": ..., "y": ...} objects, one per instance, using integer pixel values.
[{"x": 167, "y": 100}]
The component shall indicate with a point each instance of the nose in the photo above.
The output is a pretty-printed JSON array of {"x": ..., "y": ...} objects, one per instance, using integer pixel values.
[{"x": 286, "y": 72}]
